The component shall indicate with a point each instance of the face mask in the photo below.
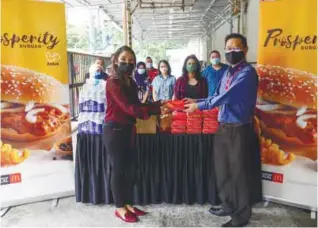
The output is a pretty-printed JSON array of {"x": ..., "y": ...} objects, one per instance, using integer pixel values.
[
  {"x": 149, "y": 65},
  {"x": 125, "y": 68},
  {"x": 234, "y": 57},
  {"x": 191, "y": 68},
  {"x": 98, "y": 75},
  {"x": 141, "y": 71},
  {"x": 215, "y": 61}
]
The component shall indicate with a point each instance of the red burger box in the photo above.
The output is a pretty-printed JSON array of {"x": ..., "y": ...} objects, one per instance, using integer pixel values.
[
  {"x": 179, "y": 116},
  {"x": 179, "y": 122},
  {"x": 194, "y": 122},
  {"x": 210, "y": 121},
  {"x": 178, "y": 131},
  {"x": 213, "y": 113},
  {"x": 195, "y": 114},
  {"x": 176, "y": 105}
]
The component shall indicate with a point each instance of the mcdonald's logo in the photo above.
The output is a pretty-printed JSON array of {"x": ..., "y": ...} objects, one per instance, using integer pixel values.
[
  {"x": 274, "y": 177},
  {"x": 278, "y": 177},
  {"x": 11, "y": 179}
]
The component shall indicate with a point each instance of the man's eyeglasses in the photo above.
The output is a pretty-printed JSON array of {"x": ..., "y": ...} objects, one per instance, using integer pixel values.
[{"x": 227, "y": 50}]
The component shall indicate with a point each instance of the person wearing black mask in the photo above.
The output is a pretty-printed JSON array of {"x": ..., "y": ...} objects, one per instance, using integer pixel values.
[
  {"x": 236, "y": 151},
  {"x": 123, "y": 107}
]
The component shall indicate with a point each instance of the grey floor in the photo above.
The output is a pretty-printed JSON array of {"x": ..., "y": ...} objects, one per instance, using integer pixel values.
[{"x": 68, "y": 213}]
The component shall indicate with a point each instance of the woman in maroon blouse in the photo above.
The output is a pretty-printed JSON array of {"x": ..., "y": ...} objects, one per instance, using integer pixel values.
[
  {"x": 191, "y": 84},
  {"x": 123, "y": 107}
]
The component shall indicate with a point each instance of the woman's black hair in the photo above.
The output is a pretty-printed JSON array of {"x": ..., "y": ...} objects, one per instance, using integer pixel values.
[
  {"x": 141, "y": 64},
  {"x": 115, "y": 66},
  {"x": 168, "y": 65},
  {"x": 198, "y": 70},
  {"x": 138, "y": 65}
]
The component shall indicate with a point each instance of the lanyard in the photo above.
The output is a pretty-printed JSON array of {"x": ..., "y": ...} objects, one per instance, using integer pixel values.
[{"x": 230, "y": 78}]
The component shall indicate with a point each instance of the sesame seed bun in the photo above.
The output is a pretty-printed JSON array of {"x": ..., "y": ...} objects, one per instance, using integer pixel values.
[
  {"x": 21, "y": 85},
  {"x": 287, "y": 86}
]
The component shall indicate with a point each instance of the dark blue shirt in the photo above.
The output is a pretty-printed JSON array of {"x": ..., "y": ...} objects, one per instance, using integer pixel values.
[
  {"x": 236, "y": 103},
  {"x": 214, "y": 77}
]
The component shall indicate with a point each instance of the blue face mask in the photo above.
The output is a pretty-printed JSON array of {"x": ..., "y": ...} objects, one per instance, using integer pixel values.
[
  {"x": 215, "y": 61},
  {"x": 98, "y": 75}
]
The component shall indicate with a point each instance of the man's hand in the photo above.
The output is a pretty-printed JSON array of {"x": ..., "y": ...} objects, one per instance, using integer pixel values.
[
  {"x": 191, "y": 107},
  {"x": 164, "y": 107},
  {"x": 189, "y": 101}
]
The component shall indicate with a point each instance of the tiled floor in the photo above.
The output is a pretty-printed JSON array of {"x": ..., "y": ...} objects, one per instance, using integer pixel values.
[{"x": 68, "y": 213}]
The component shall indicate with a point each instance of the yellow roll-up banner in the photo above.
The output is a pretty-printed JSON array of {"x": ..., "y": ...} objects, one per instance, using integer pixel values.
[
  {"x": 286, "y": 112},
  {"x": 36, "y": 145}
]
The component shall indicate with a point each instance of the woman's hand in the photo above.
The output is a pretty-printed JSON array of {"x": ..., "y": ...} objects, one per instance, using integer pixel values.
[
  {"x": 163, "y": 103},
  {"x": 189, "y": 101}
]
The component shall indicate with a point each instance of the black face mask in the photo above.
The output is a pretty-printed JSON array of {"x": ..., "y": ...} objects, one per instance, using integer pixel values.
[
  {"x": 234, "y": 57},
  {"x": 125, "y": 68}
]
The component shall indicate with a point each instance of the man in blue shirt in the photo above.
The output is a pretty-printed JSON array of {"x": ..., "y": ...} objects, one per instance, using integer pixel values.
[
  {"x": 214, "y": 72},
  {"x": 236, "y": 98}
]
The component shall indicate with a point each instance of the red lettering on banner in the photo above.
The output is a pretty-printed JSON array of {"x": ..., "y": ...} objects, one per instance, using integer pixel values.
[
  {"x": 15, "y": 178},
  {"x": 278, "y": 178}
]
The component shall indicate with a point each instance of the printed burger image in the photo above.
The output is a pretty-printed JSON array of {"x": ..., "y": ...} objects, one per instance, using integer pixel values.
[
  {"x": 286, "y": 109},
  {"x": 34, "y": 111}
]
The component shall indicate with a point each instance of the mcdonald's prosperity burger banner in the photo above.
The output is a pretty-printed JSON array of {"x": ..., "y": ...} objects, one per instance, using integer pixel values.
[
  {"x": 286, "y": 113},
  {"x": 36, "y": 148}
]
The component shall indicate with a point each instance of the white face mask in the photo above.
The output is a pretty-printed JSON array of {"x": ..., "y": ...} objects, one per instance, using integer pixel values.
[
  {"x": 149, "y": 65},
  {"x": 141, "y": 71}
]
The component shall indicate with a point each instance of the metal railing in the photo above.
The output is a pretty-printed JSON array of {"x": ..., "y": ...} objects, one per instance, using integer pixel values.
[{"x": 78, "y": 64}]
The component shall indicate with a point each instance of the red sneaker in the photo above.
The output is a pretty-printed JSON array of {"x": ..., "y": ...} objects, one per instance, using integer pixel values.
[
  {"x": 139, "y": 212},
  {"x": 128, "y": 217}
]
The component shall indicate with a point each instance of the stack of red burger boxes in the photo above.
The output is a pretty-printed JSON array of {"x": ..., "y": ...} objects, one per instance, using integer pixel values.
[
  {"x": 210, "y": 121},
  {"x": 194, "y": 122},
  {"x": 197, "y": 122},
  {"x": 179, "y": 118},
  {"x": 179, "y": 122}
]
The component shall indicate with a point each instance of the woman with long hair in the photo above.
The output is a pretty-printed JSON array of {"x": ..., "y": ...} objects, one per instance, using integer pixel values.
[
  {"x": 123, "y": 107},
  {"x": 191, "y": 84},
  {"x": 143, "y": 84},
  {"x": 163, "y": 84}
]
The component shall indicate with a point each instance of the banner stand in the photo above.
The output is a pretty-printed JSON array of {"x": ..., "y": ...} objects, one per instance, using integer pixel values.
[
  {"x": 4, "y": 211},
  {"x": 286, "y": 110},
  {"x": 55, "y": 202},
  {"x": 267, "y": 199},
  {"x": 36, "y": 149}
]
